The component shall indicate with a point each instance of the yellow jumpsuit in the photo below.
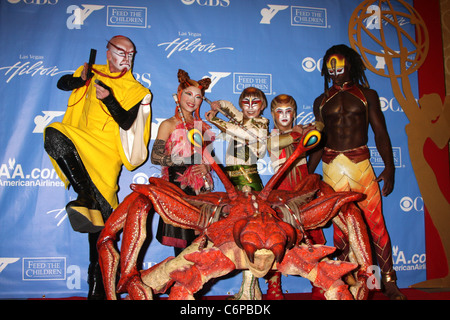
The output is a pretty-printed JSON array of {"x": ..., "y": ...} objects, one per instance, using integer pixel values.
[{"x": 95, "y": 134}]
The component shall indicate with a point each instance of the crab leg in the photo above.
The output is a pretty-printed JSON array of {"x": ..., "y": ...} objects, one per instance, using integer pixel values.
[
  {"x": 190, "y": 270},
  {"x": 318, "y": 212},
  {"x": 108, "y": 255},
  {"x": 134, "y": 234},
  {"x": 353, "y": 240},
  {"x": 309, "y": 262}
]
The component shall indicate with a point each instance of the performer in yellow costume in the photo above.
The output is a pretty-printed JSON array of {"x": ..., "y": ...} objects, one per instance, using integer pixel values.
[
  {"x": 106, "y": 125},
  {"x": 347, "y": 109}
]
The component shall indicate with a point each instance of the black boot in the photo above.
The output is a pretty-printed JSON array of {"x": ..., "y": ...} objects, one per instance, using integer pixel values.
[
  {"x": 95, "y": 279},
  {"x": 84, "y": 212}
]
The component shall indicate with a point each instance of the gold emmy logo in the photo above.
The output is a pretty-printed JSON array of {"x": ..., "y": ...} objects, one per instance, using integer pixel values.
[{"x": 379, "y": 25}]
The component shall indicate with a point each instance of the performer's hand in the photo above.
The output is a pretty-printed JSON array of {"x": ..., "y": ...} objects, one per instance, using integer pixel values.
[
  {"x": 298, "y": 129},
  {"x": 388, "y": 182},
  {"x": 84, "y": 72},
  {"x": 101, "y": 93},
  {"x": 102, "y": 90},
  {"x": 215, "y": 105},
  {"x": 201, "y": 170},
  {"x": 210, "y": 114}
]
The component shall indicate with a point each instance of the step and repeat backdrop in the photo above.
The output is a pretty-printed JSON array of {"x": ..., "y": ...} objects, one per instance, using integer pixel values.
[{"x": 274, "y": 45}]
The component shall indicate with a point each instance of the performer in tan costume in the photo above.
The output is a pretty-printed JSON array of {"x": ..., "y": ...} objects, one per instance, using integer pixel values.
[
  {"x": 347, "y": 109},
  {"x": 283, "y": 141}
]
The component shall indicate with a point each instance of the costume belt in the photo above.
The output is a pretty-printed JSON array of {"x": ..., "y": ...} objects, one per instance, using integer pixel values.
[
  {"x": 241, "y": 170},
  {"x": 355, "y": 155},
  {"x": 241, "y": 175}
]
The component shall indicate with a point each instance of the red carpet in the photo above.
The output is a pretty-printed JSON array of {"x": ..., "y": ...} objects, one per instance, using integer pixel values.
[{"x": 411, "y": 294}]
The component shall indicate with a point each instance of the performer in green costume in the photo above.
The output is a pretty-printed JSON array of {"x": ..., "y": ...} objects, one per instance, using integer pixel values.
[{"x": 248, "y": 131}]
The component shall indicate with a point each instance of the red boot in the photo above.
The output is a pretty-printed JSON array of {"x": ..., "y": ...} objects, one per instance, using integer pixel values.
[{"x": 274, "y": 291}]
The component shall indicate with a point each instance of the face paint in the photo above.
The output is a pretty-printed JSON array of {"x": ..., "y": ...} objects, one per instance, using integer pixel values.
[
  {"x": 251, "y": 107},
  {"x": 120, "y": 58},
  {"x": 336, "y": 65},
  {"x": 191, "y": 99},
  {"x": 283, "y": 116}
]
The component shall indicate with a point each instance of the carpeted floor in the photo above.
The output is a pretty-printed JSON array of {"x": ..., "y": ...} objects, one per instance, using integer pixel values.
[{"x": 411, "y": 294}]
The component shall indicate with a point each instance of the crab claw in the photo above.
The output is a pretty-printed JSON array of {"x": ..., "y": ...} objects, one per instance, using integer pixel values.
[
  {"x": 278, "y": 250},
  {"x": 250, "y": 251},
  {"x": 279, "y": 242},
  {"x": 249, "y": 237},
  {"x": 291, "y": 234},
  {"x": 237, "y": 229}
]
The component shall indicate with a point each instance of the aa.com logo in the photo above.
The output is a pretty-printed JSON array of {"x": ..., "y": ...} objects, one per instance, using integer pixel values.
[
  {"x": 12, "y": 174},
  {"x": 401, "y": 261}
]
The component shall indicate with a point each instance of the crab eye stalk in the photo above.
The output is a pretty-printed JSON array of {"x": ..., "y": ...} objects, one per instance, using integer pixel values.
[{"x": 311, "y": 139}]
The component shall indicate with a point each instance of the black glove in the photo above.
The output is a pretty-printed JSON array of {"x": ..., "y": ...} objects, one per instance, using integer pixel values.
[{"x": 124, "y": 118}]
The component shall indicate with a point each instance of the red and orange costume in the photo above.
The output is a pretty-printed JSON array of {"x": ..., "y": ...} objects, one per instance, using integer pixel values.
[{"x": 351, "y": 170}]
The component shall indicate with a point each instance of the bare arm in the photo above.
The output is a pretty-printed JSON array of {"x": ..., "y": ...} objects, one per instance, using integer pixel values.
[
  {"x": 382, "y": 142},
  {"x": 316, "y": 155},
  {"x": 158, "y": 155}
]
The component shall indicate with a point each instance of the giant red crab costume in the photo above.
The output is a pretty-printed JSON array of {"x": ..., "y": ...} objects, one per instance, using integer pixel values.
[{"x": 259, "y": 231}]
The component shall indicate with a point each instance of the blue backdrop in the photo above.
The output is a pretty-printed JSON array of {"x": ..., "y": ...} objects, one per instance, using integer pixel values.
[{"x": 274, "y": 45}]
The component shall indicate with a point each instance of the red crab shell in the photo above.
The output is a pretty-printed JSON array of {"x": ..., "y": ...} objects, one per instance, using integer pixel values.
[
  {"x": 248, "y": 229},
  {"x": 264, "y": 231}
]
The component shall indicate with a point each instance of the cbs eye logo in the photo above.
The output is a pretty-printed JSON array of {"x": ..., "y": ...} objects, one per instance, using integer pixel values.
[
  {"x": 407, "y": 204},
  {"x": 309, "y": 64},
  {"x": 140, "y": 178}
]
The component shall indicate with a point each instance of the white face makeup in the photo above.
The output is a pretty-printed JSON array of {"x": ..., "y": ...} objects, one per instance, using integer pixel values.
[
  {"x": 191, "y": 98},
  {"x": 284, "y": 116},
  {"x": 251, "y": 107},
  {"x": 120, "y": 55}
]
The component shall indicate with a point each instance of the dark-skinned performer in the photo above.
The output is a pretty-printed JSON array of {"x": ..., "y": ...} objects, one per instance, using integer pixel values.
[{"x": 347, "y": 109}]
